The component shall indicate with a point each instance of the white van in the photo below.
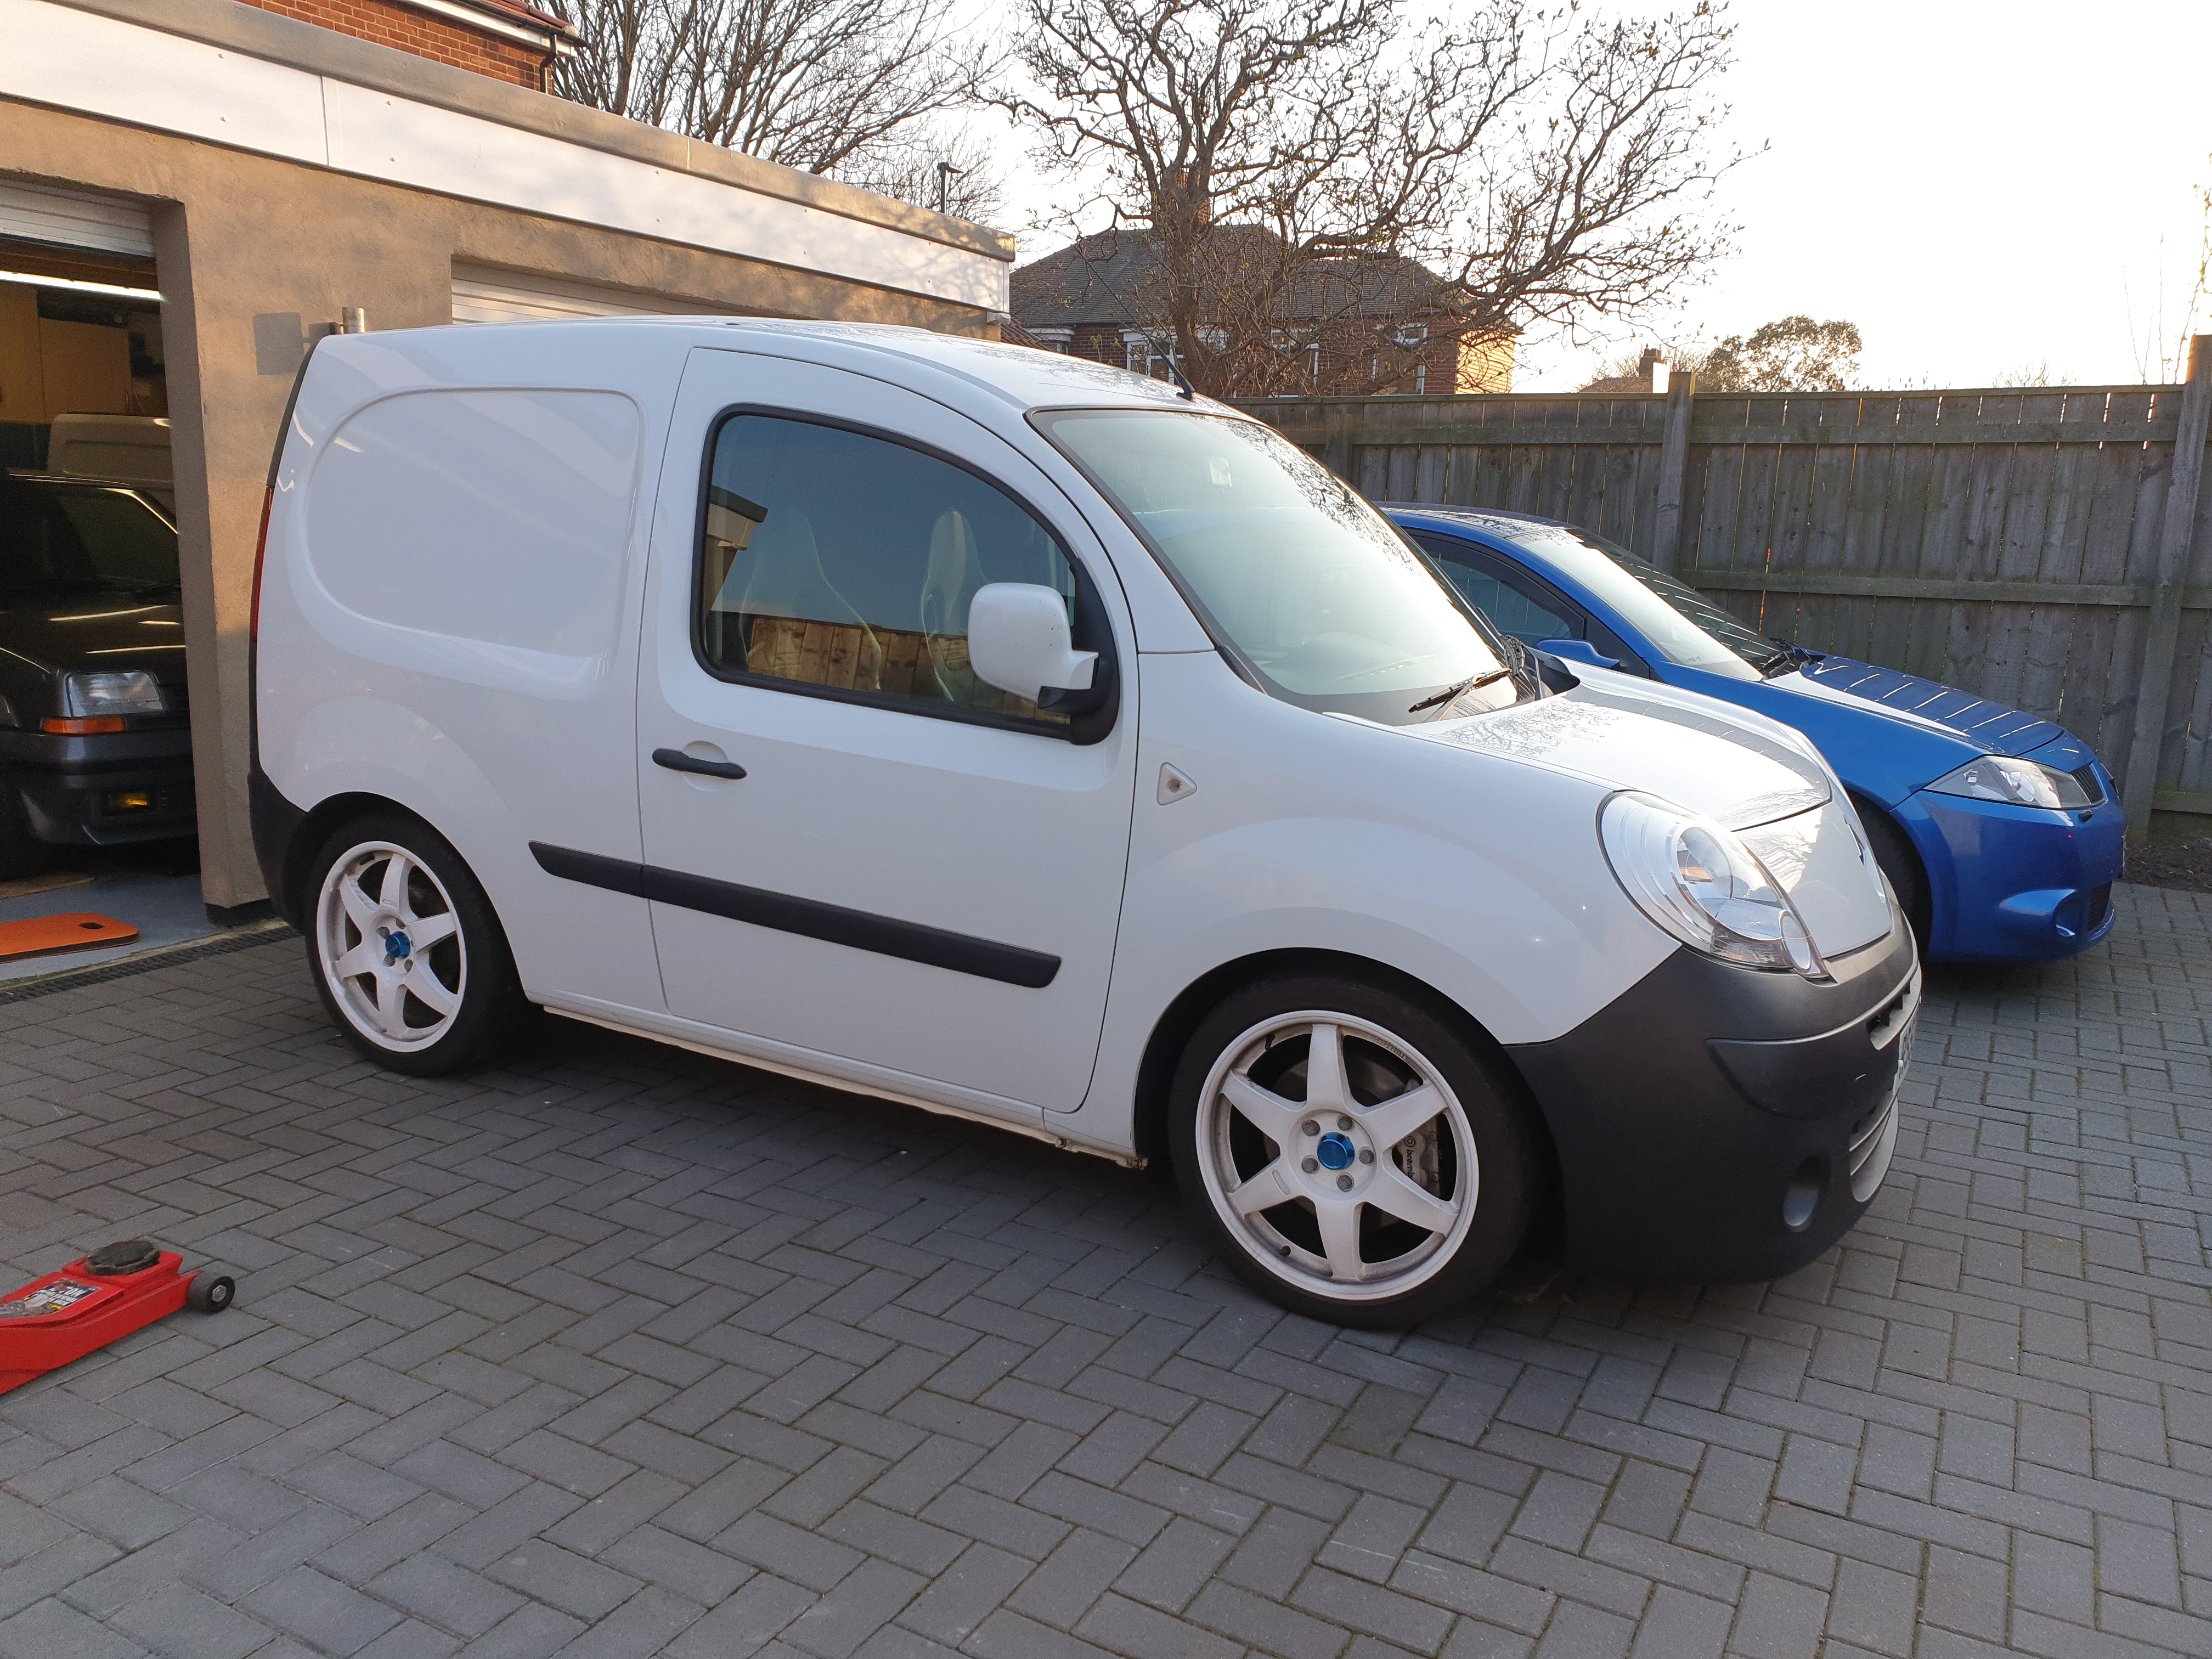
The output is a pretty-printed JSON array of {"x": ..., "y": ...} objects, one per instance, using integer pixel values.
[{"x": 1015, "y": 738}]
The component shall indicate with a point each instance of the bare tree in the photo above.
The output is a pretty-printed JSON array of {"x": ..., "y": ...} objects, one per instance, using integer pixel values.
[
  {"x": 1299, "y": 170},
  {"x": 2156, "y": 363},
  {"x": 1791, "y": 354},
  {"x": 826, "y": 86},
  {"x": 2026, "y": 373},
  {"x": 908, "y": 165}
]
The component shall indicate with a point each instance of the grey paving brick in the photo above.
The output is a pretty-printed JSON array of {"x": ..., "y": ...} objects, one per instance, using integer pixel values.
[
  {"x": 462, "y": 1602},
  {"x": 1175, "y": 1565},
  {"x": 320, "y": 1610},
  {"x": 745, "y": 1623},
  {"x": 181, "y": 1621},
  {"x": 861, "y": 1604},
  {"x": 1073, "y": 1577},
  {"x": 965, "y": 1594},
  {"x": 678, "y": 1565}
]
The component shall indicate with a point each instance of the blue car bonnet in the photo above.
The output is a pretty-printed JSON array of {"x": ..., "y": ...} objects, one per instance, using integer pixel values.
[{"x": 1987, "y": 725}]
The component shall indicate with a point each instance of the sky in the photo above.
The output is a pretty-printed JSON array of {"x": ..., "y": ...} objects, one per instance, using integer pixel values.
[{"x": 1981, "y": 187}]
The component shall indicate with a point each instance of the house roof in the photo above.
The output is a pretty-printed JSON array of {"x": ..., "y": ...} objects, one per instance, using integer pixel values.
[{"x": 1103, "y": 279}]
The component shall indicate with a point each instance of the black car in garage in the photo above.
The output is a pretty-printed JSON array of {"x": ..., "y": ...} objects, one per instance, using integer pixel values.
[{"x": 95, "y": 741}]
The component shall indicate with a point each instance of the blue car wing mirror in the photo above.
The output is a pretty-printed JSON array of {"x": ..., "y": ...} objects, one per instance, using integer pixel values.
[{"x": 1580, "y": 650}]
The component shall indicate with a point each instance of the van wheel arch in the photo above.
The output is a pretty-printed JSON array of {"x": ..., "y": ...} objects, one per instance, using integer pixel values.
[
  {"x": 317, "y": 825},
  {"x": 1174, "y": 1030}
]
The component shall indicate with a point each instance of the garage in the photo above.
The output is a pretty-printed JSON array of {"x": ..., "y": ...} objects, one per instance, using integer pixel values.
[{"x": 192, "y": 192}]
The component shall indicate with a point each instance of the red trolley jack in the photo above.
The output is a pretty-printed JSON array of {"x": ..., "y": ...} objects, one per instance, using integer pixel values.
[{"x": 93, "y": 1301}]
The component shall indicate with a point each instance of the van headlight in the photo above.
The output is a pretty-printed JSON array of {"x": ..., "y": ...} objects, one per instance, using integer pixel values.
[
  {"x": 134, "y": 691},
  {"x": 2016, "y": 782},
  {"x": 1702, "y": 884}
]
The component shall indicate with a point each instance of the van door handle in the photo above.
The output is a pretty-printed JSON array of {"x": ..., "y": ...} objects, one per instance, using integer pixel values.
[{"x": 677, "y": 760}]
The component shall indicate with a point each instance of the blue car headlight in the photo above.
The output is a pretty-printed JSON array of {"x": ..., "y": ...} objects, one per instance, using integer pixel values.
[{"x": 2016, "y": 782}]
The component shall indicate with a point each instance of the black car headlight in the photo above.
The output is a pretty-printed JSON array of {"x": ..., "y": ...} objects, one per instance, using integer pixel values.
[{"x": 127, "y": 691}]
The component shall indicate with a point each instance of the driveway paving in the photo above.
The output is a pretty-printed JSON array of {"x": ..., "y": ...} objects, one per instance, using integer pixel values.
[{"x": 624, "y": 1351}]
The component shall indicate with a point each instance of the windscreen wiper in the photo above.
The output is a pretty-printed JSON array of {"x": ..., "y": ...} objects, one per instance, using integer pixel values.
[
  {"x": 1451, "y": 691},
  {"x": 1785, "y": 658}
]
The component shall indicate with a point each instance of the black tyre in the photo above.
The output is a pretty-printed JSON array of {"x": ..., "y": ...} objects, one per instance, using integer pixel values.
[
  {"x": 1900, "y": 867},
  {"x": 407, "y": 953},
  {"x": 1353, "y": 1155},
  {"x": 211, "y": 1293}
]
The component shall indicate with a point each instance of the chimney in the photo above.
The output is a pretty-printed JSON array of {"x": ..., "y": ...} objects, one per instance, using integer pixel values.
[
  {"x": 1179, "y": 182},
  {"x": 1654, "y": 368}
]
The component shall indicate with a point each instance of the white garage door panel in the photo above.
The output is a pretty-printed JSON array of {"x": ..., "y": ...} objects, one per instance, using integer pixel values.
[
  {"x": 483, "y": 293},
  {"x": 39, "y": 213}
]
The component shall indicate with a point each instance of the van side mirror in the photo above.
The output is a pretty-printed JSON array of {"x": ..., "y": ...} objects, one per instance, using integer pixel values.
[
  {"x": 1581, "y": 651},
  {"x": 1018, "y": 641}
]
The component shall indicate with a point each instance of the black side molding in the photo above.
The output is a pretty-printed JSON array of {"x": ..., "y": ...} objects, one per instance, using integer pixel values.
[{"x": 860, "y": 930}]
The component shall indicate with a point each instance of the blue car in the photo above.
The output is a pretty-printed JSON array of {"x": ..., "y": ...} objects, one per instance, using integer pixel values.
[{"x": 2000, "y": 832}]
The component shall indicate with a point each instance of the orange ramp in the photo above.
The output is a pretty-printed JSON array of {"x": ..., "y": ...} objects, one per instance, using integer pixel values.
[{"x": 44, "y": 936}]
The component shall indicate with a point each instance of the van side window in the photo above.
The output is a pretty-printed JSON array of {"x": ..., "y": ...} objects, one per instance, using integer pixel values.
[{"x": 835, "y": 559}]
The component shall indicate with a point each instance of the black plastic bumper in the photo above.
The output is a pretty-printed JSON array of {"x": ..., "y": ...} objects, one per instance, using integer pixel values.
[
  {"x": 1707, "y": 1121},
  {"x": 66, "y": 788},
  {"x": 277, "y": 826}
]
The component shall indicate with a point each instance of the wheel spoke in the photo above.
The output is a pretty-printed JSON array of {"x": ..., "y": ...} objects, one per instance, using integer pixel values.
[
  {"x": 392, "y": 1004},
  {"x": 364, "y": 957},
  {"x": 428, "y": 991},
  {"x": 392, "y": 893},
  {"x": 1393, "y": 1120},
  {"x": 359, "y": 909},
  {"x": 1262, "y": 1191},
  {"x": 1327, "y": 1089},
  {"x": 424, "y": 932},
  {"x": 1267, "y": 1112},
  {"x": 1391, "y": 1191},
  {"x": 1339, "y": 1239}
]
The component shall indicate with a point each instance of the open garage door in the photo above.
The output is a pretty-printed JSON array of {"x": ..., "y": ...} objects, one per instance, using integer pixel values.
[
  {"x": 485, "y": 294},
  {"x": 81, "y": 351},
  {"x": 72, "y": 218}
]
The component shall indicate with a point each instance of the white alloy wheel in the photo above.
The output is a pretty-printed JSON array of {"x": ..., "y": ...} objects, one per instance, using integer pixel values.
[
  {"x": 1338, "y": 1155},
  {"x": 390, "y": 946}
]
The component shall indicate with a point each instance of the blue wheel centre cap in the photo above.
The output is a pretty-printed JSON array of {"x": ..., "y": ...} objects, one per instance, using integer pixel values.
[
  {"x": 396, "y": 945},
  {"x": 1335, "y": 1151}
]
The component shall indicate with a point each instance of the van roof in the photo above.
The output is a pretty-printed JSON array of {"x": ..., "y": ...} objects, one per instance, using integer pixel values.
[{"x": 1018, "y": 375}]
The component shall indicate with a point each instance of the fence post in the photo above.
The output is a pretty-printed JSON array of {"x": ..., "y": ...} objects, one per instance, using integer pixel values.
[
  {"x": 1673, "y": 470},
  {"x": 2139, "y": 783},
  {"x": 1336, "y": 439}
]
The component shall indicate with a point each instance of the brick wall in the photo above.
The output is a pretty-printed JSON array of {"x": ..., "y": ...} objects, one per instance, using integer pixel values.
[{"x": 390, "y": 24}]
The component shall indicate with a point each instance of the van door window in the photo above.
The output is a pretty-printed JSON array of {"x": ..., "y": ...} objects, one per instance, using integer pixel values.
[{"x": 843, "y": 563}]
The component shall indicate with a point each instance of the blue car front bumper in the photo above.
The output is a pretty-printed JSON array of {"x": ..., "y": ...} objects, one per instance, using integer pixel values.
[{"x": 2016, "y": 884}]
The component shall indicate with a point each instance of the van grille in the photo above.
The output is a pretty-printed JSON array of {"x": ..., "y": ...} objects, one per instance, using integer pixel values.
[{"x": 1874, "y": 1139}]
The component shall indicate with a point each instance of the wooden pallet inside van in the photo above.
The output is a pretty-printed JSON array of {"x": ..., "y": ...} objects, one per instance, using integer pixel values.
[{"x": 894, "y": 662}]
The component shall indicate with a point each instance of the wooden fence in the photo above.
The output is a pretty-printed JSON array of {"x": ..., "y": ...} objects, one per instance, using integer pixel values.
[{"x": 2042, "y": 548}]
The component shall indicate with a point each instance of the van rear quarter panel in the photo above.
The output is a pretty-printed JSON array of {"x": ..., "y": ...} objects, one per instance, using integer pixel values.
[{"x": 450, "y": 610}]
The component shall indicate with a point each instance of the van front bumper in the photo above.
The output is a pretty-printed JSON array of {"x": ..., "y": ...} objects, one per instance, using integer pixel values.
[
  {"x": 1726, "y": 1126},
  {"x": 85, "y": 791}
]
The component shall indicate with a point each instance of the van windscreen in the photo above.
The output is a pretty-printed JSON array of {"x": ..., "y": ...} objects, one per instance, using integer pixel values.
[{"x": 1296, "y": 575}]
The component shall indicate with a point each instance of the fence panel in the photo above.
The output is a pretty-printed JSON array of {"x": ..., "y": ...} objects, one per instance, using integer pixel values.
[{"x": 2007, "y": 541}]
